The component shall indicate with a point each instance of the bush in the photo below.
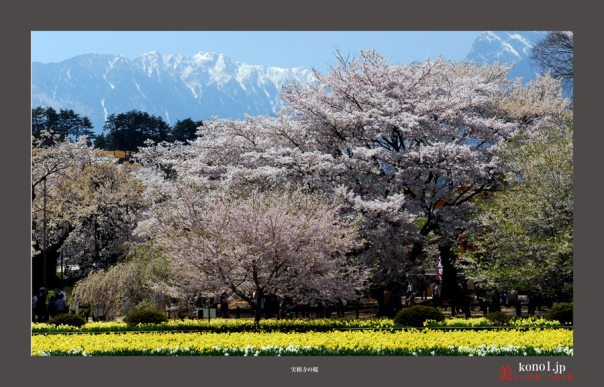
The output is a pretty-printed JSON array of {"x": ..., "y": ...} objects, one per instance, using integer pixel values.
[
  {"x": 145, "y": 316},
  {"x": 499, "y": 318},
  {"x": 561, "y": 312},
  {"x": 73, "y": 320},
  {"x": 415, "y": 316}
]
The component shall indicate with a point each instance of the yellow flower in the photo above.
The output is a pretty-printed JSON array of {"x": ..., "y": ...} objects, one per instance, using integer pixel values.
[{"x": 368, "y": 341}]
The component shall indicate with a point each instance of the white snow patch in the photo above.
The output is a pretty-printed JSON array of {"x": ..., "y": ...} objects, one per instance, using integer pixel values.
[
  {"x": 510, "y": 49},
  {"x": 105, "y": 114},
  {"x": 111, "y": 85},
  {"x": 113, "y": 63},
  {"x": 527, "y": 45},
  {"x": 139, "y": 89},
  {"x": 203, "y": 57},
  {"x": 491, "y": 36},
  {"x": 521, "y": 38},
  {"x": 194, "y": 89}
]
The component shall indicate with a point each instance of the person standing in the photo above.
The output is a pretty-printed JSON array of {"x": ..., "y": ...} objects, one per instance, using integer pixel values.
[
  {"x": 60, "y": 304},
  {"x": 34, "y": 302},
  {"x": 62, "y": 292},
  {"x": 51, "y": 306},
  {"x": 41, "y": 308}
]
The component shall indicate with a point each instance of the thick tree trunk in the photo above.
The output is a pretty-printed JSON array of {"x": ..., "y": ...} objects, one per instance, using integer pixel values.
[
  {"x": 450, "y": 290},
  {"x": 52, "y": 259},
  {"x": 388, "y": 299},
  {"x": 258, "y": 307},
  {"x": 416, "y": 251},
  {"x": 38, "y": 267}
]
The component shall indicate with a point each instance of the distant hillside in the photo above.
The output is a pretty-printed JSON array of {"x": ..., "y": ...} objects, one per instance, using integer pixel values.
[
  {"x": 510, "y": 47},
  {"x": 205, "y": 85},
  {"x": 173, "y": 86}
]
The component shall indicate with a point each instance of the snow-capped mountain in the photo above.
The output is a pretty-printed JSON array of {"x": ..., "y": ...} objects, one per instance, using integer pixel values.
[
  {"x": 205, "y": 85},
  {"x": 174, "y": 87},
  {"x": 509, "y": 47}
]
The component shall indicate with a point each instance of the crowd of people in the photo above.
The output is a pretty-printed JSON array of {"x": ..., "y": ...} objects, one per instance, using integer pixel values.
[{"x": 45, "y": 307}]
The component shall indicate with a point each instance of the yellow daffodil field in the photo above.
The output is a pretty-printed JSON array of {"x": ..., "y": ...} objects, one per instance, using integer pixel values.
[
  {"x": 362, "y": 342},
  {"x": 222, "y": 325},
  {"x": 297, "y": 324}
]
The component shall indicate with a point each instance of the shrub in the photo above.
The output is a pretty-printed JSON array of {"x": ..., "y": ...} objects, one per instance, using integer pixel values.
[
  {"x": 145, "y": 316},
  {"x": 499, "y": 318},
  {"x": 105, "y": 291},
  {"x": 73, "y": 320},
  {"x": 415, "y": 316},
  {"x": 561, "y": 312}
]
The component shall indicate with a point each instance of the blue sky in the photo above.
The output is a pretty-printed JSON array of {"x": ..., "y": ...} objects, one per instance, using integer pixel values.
[{"x": 273, "y": 48}]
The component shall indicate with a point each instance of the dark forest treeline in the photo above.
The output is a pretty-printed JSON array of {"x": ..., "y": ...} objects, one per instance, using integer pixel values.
[{"x": 124, "y": 131}]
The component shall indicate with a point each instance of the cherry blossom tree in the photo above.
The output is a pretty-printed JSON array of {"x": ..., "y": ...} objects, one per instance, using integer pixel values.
[
  {"x": 84, "y": 207},
  {"x": 429, "y": 131},
  {"x": 283, "y": 243},
  {"x": 101, "y": 206},
  {"x": 50, "y": 164},
  {"x": 407, "y": 148}
]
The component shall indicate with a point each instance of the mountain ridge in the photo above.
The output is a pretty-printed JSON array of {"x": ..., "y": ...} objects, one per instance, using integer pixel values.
[
  {"x": 209, "y": 84},
  {"x": 508, "y": 47},
  {"x": 173, "y": 86}
]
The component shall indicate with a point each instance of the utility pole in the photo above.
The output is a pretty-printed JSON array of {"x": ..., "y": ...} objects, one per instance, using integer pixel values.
[{"x": 44, "y": 236}]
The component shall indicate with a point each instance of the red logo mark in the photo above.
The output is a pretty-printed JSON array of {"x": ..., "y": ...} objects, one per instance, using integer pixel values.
[{"x": 506, "y": 373}]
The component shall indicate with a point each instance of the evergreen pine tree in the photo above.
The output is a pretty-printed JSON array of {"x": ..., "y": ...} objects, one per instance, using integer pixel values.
[{"x": 185, "y": 130}]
